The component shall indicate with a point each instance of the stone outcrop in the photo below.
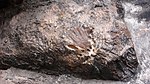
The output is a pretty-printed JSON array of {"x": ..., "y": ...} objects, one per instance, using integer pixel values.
[{"x": 85, "y": 38}]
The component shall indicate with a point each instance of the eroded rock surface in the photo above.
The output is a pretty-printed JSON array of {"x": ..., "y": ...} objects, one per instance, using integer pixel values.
[{"x": 88, "y": 39}]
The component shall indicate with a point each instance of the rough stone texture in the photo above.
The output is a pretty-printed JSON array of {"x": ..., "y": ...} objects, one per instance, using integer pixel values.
[
  {"x": 85, "y": 38},
  {"x": 18, "y": 76}
]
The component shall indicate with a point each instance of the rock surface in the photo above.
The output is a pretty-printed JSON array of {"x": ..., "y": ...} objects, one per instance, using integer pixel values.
[{"x": 85, "y": 38}]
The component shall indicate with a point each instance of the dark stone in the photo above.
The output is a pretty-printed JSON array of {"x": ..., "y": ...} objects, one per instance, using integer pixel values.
[
  {"x": 145, "y": 15},
  {"x": 6, "y": 3},
  {"x": 3, "y": 3},
  {"x": 120, "y": 9},
  {"x": 58, "y": 38}
]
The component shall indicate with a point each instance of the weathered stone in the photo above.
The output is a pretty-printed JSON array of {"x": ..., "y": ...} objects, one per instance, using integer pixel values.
[{"x": 88, "y": 39}]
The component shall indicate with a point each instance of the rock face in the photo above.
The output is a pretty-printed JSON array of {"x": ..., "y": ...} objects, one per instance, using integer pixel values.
[{"x": 85, "y": 38}]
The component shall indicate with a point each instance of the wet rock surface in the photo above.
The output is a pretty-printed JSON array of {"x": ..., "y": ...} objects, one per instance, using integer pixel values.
[{"x": 87, "y": 39}]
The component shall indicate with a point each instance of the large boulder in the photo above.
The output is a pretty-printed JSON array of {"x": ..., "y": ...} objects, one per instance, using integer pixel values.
[{"x": 85, "y": 38}]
